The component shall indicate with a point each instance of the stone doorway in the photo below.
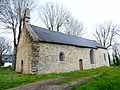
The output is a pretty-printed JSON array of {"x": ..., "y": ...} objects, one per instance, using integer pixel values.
[
  {"x": 21, "y": 66},
  {"x": 81, "y": 64}
]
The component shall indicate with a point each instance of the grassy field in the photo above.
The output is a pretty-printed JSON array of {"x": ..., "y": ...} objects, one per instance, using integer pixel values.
[
  {"x": 109, "y": 80},
  {"x": 9, "y": 78}
]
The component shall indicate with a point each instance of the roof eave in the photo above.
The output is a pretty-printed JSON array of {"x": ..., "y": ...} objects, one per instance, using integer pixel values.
[
  {"x": 32, "y": 33},
  {"x": 67, "y": 44}
]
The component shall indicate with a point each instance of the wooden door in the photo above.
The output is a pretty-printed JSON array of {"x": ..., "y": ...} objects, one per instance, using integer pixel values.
[
  {"x": 81, "y": 64},
  {"x": 21, "y": 66}
]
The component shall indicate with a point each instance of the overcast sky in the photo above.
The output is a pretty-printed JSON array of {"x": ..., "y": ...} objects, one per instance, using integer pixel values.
[{"x": 90, "y": 12}]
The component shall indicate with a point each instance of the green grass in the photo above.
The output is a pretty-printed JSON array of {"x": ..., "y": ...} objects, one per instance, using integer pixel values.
[
  {"x": 78, "y": 75},
  {"x": 9, "y": 78},
  {"x": 109, "y": 80}
]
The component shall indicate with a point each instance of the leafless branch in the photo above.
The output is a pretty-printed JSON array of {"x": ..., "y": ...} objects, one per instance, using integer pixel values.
[
  {"x": 12, "y": 14},
  {"x": 5, "y": 47},
  {"x": 105, "y": 33},
  {"x": 74, "y": 27},
  {"x": 54, "y": 16}
]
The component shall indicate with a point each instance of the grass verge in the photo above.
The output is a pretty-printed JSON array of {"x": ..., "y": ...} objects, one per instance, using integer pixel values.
[
  {"x": 9, "y": 78},
  {"x": 78, "y": 75},
  {"x": 109, "y": 80}
]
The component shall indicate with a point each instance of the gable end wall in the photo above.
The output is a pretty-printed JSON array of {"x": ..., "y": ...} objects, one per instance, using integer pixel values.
[{"x": 24, "y": 52}]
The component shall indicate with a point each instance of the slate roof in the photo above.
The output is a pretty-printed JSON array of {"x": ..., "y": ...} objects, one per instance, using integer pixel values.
[{"x": 60, "y": 38}]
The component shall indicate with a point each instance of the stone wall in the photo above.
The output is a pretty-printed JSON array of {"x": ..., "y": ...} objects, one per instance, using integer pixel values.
[
  {"x": 47, "y": 58},
  {"x": 41, "y": 57},
  {"x": 100, "y": 58},
  {"x": 24, "y": 53}
]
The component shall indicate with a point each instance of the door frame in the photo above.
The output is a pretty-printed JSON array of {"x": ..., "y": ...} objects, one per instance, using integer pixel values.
[
  {"x": 21, "y": 66},
  {"x": 81, "y": 64}
]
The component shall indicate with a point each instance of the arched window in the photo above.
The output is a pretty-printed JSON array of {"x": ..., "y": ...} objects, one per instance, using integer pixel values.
[
  {"x": 104, "y": 56},
  {"x": 91, "y": 56},
  {"x": 61, "y": 56}
]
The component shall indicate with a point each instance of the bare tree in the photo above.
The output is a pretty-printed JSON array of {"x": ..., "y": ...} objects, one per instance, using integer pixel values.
[
  {"x": 12, "y": 15},
  {"x": 105, "y": 33},
  {"x": 54, "y": 16},
  {"x": 74, "y": 27},
  {"x": 116, "y": 53},
  {"x": 5, "y": 47},
  {"x": 116, "y": 49}
]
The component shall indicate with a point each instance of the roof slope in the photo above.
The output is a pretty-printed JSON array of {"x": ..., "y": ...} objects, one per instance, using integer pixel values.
[{"x": 60, "y": 38}]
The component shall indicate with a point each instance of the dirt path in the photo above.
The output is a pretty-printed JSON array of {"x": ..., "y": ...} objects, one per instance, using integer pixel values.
[{"x": 50, "y": 84}]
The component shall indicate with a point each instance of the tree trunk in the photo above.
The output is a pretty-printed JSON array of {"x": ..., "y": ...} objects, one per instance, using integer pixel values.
[
  {"x": 109, "y": 59},
  {"x": 57, "y": 29},
  {"x": 14, "y": 58},
  {"x": 117, "y": 60},
  {"x": 0, "y": 61},
  {"x": 114, "y": 60},
  {"x": 15, "y": 46},
  {"x": 20, "y": 29}
]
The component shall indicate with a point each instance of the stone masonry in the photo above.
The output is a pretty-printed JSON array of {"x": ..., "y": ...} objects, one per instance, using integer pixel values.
[{"x": 42, "y": 57}]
